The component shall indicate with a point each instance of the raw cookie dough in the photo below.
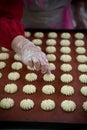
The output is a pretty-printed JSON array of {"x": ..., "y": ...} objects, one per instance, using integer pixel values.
[
  {"x": 65, "y": 50},
  {"x": 51, "y": 42},
  {"x": 48, "y": 89},
  {"x": 37, "y": 41},
  {"x": 83, "y": 78},
  {"x": 80, "y": 50},
  {"x": 65, "y": 42},
  {"x": 17, "y": 57},
  {"x": 83, "y": 90},
  {"x": 51, "y": 49},
  {"x": 67, "y": 90},
  {"x": 79, "y": 43},
  {"x": 6, "y": 103},
  {"x": 51, "y": 57},
  {"x": 49, "y": 77},
  {"x": 52, "y": 35},
  {"x": 65, "y": 35},
  {"x": 68, "y": 105},
  {"x": 2, "y": 65},
  {"x": 16, "y": 65},
  {"x": 13, "y": 76},
  {"x": 65, "y": 58},
  {"x": 0, "y": 75},
  {"x": 47, "y": 104},
  {"x": 79, "y": 35},
  {"x": 66, "y": 67},
  {"x": 31, "y": 68},
  {"x": 81, "y": 58},
  {"x": 29, "y": 89},
  {"x": 84, "y": 105},
  {"x": 10, "y": 88},
  {"x": 4, "y": 49},
  {"x": 82, "y": 68},
  {"x": 52, "y": 66},
  {"x": 31, "y": 77},
  {"x": 27, "y": 104},
  {"x": 27, "y": 34},
  {"x": 4, "y": 56},
  {"x": 66, "y": 78},
  {"x": 39, "y": 34}
]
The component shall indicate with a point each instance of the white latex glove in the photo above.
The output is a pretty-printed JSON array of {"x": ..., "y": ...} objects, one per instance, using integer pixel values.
[{"x": 33, "y": 56}]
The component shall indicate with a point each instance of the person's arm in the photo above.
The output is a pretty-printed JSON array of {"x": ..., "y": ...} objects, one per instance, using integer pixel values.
[
  {"x": 79, "y": 13},
  {"x": 12, "y": 36},
  {"x": 10, "y": 21}
]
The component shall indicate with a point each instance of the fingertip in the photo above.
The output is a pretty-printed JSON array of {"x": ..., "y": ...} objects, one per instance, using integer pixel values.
[{"x": 49, "y": 71}]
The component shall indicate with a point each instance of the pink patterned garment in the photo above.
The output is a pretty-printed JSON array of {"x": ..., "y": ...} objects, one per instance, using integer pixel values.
[{"x": 48, "y": 14}]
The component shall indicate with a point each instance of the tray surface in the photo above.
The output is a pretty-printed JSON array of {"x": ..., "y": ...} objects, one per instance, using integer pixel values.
[{"x": 36, "y": 114}]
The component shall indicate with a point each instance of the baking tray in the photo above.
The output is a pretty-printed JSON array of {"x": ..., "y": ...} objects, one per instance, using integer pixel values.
[{"x": 79, "y": 116}]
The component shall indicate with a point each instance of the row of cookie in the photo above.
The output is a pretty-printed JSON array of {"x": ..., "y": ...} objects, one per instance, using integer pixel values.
[
  {"x": 62, "y": 42},
  {"x": 65, "y": 49},
  {"x": 51, "y": 57},
  {"x": 46, "y": 89},
  {"x": 65, "y": 67},
  {"x": 46, "y": 104},
  {"x": 67, "y": 78},
  {"x": 13, "y": 76},
  {"x": 65, "y": 35},
  {"x": 30, "y": 77}
]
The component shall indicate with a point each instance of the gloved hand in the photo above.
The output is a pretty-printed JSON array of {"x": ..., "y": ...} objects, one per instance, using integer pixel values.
[{"x": 32, "y": 55}]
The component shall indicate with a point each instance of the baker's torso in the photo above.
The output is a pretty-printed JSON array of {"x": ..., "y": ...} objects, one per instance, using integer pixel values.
[{"x": 44, "y": 13}]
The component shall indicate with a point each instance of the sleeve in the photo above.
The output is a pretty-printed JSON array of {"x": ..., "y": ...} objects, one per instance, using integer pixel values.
[{"x": 10, "y": 21}]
